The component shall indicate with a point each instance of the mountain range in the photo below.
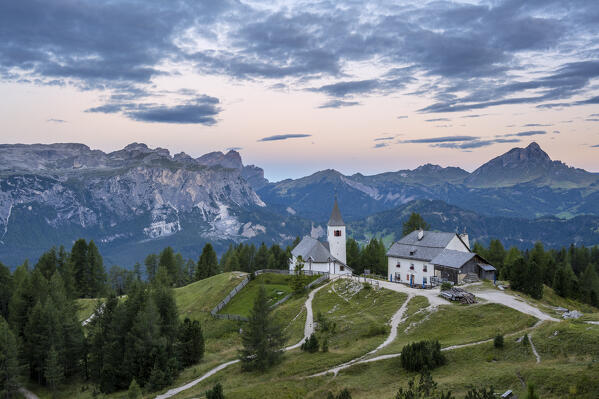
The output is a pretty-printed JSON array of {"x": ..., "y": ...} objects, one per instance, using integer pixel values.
[{"x": 138, "y": 200}]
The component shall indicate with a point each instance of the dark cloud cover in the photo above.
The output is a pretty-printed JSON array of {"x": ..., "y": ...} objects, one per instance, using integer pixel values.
[
  {"x": 463, "y": 56},
  {"x": 279, "y": 137}
]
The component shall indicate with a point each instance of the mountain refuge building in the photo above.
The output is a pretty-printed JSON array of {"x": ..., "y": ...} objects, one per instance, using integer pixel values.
[
  {"x": 324, "y": 257},
  {"x": 428, "y": 257}
]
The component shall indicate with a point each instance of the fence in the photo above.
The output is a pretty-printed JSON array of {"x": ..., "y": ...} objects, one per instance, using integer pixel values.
[{"x": 239, "y": 287}]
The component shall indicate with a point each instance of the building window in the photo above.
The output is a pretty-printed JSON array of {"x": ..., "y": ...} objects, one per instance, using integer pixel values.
[
  {"x": 412, "y": 266},
  {"x": 337, "y": 233},
  {"x": 424, "y": 269},
  {"x": 397, "y": 277},
  {"x": 424, "y": 280},
  {"x": 398, "y": 265},
  {"x": 341, "y": 268}
]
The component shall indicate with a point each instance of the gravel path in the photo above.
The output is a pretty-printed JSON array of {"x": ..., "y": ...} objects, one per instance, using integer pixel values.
[
  {"x": 514, "y": 303},
  {"x": 534, "y": 350},
  {"x": 27, "y": 393},
  {"x": 308, "y": 330}
]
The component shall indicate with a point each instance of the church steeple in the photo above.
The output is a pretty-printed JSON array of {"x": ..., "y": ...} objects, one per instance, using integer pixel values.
[
  {"x": 336, "y": 234},
  {"x": 336, "y": 219}
]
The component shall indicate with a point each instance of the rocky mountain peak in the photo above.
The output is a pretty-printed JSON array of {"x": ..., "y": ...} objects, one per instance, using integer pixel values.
[{"x": 532, "y": 153}]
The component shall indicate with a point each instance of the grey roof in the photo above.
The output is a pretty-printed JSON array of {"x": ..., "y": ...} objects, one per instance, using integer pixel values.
[
  {"x": 413, "y": 252},
  {"x": 451, "y": 258},
  {"x": 434, "y": 239},
  {"x": 486, "y": 267},
  {"x": 312, "y": 248},
  {"x": 336, "y": 219},
  {"x": 431, "y": 245}
]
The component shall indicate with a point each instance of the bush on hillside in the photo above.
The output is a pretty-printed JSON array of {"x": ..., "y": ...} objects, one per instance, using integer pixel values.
[
  {"x": 216, "y": 392},
  {"x": 424, "y": 354},
  {"x": 498, "y": 341},
  {"x": 446, "y": 286},
  {"x": 311, "y": 344}
]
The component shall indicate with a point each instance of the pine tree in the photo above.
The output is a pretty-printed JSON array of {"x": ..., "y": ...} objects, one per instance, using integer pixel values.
[
  {"x": 96, "y": 274},
  {"x": 53, "y": 370},
  {"x": 151, "y": 264},
  {"x": 207, "y": 264},
  {"x": 9, "y": 366},
  {"x": 190, "y": 342},
  {"x": 6, "y": 290},
  {"x": 79, "y": 263},
  {"x": 589, "y": 286},
  {"x": 496, "y": 254},
  {"x": 415, "y": 222},
  {"x": 261, "y": 257},
  {"x": 353, "y": 256},
  {"x": 262, "y": 337},
  {"x": 134, "y": 391},
  {"x": 168, "y": 261},
  {"x": 216, "y": 392}
]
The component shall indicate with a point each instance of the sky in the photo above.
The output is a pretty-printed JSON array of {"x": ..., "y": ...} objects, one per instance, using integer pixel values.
[{"x": 300, "y": 86}]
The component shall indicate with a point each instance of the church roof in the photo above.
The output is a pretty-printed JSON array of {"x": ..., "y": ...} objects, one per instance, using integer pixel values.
[
  {"x": 336, "y": 219},
  {"x": 312, "y": 248}
]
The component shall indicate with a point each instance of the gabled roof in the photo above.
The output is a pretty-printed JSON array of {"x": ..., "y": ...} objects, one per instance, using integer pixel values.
[
  {"x": 336, "y": 219},
  {"x": 451, "y": 258},
  {"x": 431, "y": 245},
  {"x": 486, "y": 267},
  {"x": 433, "y": 239},
  {"x": 312, "y": 248}
]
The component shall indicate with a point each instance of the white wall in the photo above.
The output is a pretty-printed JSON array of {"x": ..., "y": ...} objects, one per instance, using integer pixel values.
[
  {"x": 337, "y": 244},
  {"x": 405, "y": 271},
  {"x": 325, "y": 267}
]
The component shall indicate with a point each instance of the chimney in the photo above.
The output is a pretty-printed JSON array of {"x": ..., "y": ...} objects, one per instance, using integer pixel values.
[{"x": 420, "y": 234}]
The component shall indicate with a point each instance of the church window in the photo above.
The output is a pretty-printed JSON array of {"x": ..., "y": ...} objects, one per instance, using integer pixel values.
[{"x": 337, "y": 233}]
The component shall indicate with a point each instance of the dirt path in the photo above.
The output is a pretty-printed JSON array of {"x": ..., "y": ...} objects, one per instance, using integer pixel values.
[
  {"x": 514, "y": 303},
  {"x": 27, "y": 393},
  {"x": 534, "y": 350},
  {"x": 308, "y": 330}
]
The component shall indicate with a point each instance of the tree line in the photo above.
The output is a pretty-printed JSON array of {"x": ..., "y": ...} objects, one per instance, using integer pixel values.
[
  {"x": 572, "y": 272},
  {"x": 134, "y": 338}
]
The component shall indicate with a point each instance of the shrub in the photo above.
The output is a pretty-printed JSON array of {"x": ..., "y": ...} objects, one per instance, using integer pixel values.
[
  {"x": 498, "y": 341},
  {"x": 325, "y": 344},
  {"x": 446, "y": 286},
  {"x": 367, "y": 286},
  {"x": 216, "y": 392},
  {"x": 375, "y": 329},
  {"x": 311, "y": 344},
  {"x": 424, "y": 354},
  {"x": 323, "y": 324}
]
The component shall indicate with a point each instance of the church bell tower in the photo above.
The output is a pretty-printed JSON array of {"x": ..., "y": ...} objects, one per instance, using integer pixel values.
[{"x": 336, "y": 234}]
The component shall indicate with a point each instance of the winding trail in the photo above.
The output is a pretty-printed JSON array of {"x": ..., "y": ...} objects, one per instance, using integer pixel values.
[
  {"x": 308, "y": 330},
  {"x": 27, "y": 393},
  {"x": 534, "y": 350}
]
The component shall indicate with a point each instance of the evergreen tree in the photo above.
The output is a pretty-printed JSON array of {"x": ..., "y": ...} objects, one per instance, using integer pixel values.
[
  {"x": 353, "y": 256},
  {"x": 374, "y": 257},
  {"x": 261, "y": 258},
  {"x": 151, "y": 264},
  {"x": 589, "y": 286},
  {"x": 9, "y": 366},
  {"x": 479, "y": 249},
  {"x": 496, "y": 254},
  {"x": 137, "y": 273},
  {"x": 216, "y": 392},
  {"x": 207, "y": 264},
  {"x": 298, "y": 283},
  {"x": 79, "y": 264},
  {"x": 168, "y": 261},
  {"x": 47, "y": 263},
  {"x": 415, "y": 222},
  {"x": 96, "y": 274},
  {"x": 6, "y": 290},
  {"x": 564, "y": 281},
  {"x": 191, "y": 342},
  {"x": 134, "y": 391},
  {"x": 53, "y": 370},
  {"x": 262, "y": 337}
]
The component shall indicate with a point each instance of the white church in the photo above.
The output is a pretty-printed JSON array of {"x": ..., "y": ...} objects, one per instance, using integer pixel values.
[{"x": 324, "y": 257}]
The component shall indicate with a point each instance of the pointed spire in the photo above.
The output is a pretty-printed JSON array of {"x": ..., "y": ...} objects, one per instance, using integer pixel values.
[{"x": 336, "y": 219}]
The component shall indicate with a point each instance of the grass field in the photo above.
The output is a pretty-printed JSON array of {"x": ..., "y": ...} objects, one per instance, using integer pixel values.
[
  {"x": 459, "y": 324},
  {"x": 277, "y": 286},
  {"x": 86, "y": 307}
]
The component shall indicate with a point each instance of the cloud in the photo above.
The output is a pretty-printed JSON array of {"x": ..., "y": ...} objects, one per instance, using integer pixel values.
[
  {"x": 384, "y": 138},
  {"x": 234, "y": 149},
  {"x": 593, "y": 115},
  {"x": 199, "y": 110},
  {"x": 438, "y": 120},
  {"x": 525, "y": 134},
  {"x": 537, "y": 125},
  {"x": 592, "y": 119},
  {"x": 556, "y": 132},
  {"x": 381, "y": 145},
  {"x": 474, "y": 116},
  {"x": 446, "y": 139},
  {"x": 595, "y": 146},
  {"x": 54, "y": 120},
  {"x": 475, "y": 144},
  {"x": 338, "y": 104},
  {"x": 279, "y": 137},
  {"x": 402, "y": 117}
]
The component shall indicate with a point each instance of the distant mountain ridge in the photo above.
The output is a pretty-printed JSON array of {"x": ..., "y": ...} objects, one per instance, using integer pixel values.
[{"x": 138, "y": 200}]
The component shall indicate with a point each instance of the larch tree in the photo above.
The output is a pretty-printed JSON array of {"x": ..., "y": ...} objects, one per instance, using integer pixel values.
[{"x": 415, "y": 222}]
